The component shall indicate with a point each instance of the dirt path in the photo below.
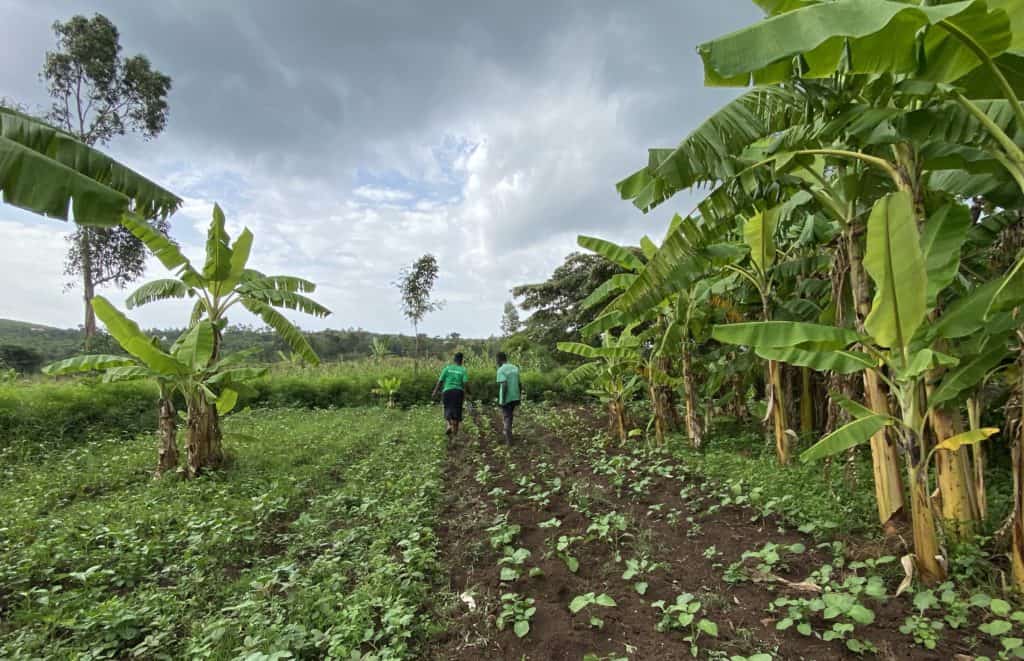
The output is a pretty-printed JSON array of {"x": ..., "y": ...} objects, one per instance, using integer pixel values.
[{"x": 615, "y": 507}]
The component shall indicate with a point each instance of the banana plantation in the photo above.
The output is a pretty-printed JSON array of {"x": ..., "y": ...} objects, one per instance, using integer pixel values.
[{"x": 790, "y": 427}]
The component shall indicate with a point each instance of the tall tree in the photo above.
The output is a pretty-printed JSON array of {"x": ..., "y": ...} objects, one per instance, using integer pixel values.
[
  {"x": 97, "y": 95},
  {"x": 557, "y": 303},
  {"x": 416, "y": 284},
  {"x": 510, "y": 322}
]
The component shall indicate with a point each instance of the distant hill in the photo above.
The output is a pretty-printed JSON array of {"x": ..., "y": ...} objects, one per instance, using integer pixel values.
[
  {"x": 49, "y": 342},
  {"x": 19, "y": 340}
]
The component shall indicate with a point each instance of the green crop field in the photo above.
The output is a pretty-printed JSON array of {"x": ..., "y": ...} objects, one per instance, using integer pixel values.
[{"x": 787, "y": 425}]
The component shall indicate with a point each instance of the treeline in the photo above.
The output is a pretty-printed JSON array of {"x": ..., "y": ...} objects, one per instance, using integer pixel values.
[{"x": 26, "y": 347}]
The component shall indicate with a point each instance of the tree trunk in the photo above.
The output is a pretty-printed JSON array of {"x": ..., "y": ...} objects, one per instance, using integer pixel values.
[
  {"x": 693, "y": 429},
  {"x": 1017, "y": 526},
  {"x": 778, "y": 412},
  {"x": 806, "y": 403},
  {"x": 205, "y": 444},
  {"x": 926, "y": 543},
  {"x": 952, "y": 470},
  {"x": 167, "y": 455},
  {"x": 88, "y": 286},
  {"x": 204, "y": 437},
  {"x": 884, "y": 461},
  {"x": 658, "y": 413},
  {"x": 978, "y": 456}
]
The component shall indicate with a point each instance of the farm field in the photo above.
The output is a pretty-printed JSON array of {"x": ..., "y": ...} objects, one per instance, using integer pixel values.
[
  {"x": 315, "y": 541},
  {"x": 359, "y": 533}
]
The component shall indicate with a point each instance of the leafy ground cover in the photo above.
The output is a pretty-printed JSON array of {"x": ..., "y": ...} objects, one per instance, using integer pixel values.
[
  {"x": 566, "y": 547},
  {"x": 46, "y": 411},
  {"x": 360, "y": 534},
  {"x": 316, "y": 541}
]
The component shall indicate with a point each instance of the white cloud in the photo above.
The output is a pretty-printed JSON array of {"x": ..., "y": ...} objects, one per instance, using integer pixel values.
[
  {"x": 379, "y": 194},
  {"x": 510, "y": 124}
]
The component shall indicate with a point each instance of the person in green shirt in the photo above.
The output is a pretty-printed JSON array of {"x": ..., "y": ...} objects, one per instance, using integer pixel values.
[
  {"x": 508, "y": 392},
  {"x": 452, "y": 382}
]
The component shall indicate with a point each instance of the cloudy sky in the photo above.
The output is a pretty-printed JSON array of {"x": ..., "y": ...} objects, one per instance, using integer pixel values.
[{"x": 354, "y": 136}]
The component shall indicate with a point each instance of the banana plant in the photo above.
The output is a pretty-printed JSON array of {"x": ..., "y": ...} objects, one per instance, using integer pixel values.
[
  {"x": 187, "y": 368},
  {"x": 223, "y": 282},
  {"x": 614, "y": 373},
  {"x": 388, "y": 387},
  {"x": 901, "y": 347},
  {"x": 379, "y": 349}
]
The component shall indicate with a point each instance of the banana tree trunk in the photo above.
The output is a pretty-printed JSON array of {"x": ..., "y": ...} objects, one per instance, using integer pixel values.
[
  {"x": 884, "y": 460},
  {"x": 806, "y": 403},
  {"x": 657, "y": 410},
  {"x": 1017, "y": 526},
  {"x": 205, "y": 451},
  {"x": 205, "y": 443},
  {"x": 953, "y": 473},
  {"x": 926, "y": 543},
  {"x": 777, "y": 395},
  {"x": 167, "y": 455},
  {"x": 693, "y": 429},
  {"x": 978, "y": 457}
]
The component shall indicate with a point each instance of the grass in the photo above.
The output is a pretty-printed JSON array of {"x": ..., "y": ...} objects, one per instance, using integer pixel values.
[
  {"x": 317, "y": 539},
  {"x": 44, "y": 411}
]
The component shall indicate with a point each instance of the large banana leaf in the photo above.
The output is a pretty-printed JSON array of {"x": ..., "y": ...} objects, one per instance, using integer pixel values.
[
  {"x": 49, "y": 172},
  {"x": 1010, "y": 292},
  {"x": 864, "y": 36},
  {"x": 969, "y": 373},
  {"x": 605, "y": 322},
  {"x": 587, "y": 351},
  {"x": 851, "y": 434},
  {"x": 292, "y": 336},
  {"x": 967, "y": 314},
  {"x": 707, "y": 154},
  {"x": 284, "y": 299},
  {"x": 218, "y": 251},
  {"x": 894, "y": 261},
  {"x": 239, "y": 258},
  {"x": 944, "y": 234},
  {"x": 87, "y": 363},
  {"x": 195, "y": 347},
  {"x": 969, "y": 437},
  {"x": 585, "y": 373},
  {"x": 841, "y": 362},
  {"x": 162, "y": 247},
  {"x": 685, "y": 256},
  {"x": 134, "y": 341},
  {"x": 157, "y": 290},
  {"x": 233, "y": 377},
  {"x": 128, "y": 373},
  {"x": 281, "y": 282},
  {"x": 759, "y": 234},
  {"x": 784, "y": 334},
  {"x": 614, "y": 253},
  {"x": 612, "y": 285}
]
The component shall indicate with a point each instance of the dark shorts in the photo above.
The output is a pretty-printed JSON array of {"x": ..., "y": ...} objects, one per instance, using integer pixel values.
[
  {"x": 507, "y": 409},
  {"x": 453, "y": 404}
]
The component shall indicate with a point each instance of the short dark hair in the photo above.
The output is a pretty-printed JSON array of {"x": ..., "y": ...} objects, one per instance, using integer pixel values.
[
  {"x": 502, "y": 357},
  {"x": 458, "y": 358}
]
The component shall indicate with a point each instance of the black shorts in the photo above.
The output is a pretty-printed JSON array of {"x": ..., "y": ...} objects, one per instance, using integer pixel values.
[{"x": 453, "y": 404}]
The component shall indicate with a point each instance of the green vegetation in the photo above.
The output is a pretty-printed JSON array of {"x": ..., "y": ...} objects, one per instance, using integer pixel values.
[
  {"x": 317, "y": 539},
  {"x": 853, "y": 280}
]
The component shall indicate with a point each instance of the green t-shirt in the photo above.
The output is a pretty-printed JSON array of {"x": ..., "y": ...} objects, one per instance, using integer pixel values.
[
  {"x": 453, "y": 377},
  {"x": 509, "y": 375}
]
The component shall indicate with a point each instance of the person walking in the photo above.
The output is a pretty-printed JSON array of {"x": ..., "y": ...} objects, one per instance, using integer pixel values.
[
  {"x": 508, "y": 392},
  {"x": 452, "y": 382}
]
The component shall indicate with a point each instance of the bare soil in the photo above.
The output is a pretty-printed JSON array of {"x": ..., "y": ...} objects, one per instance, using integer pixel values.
[{"x": 740, "y": 610}]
